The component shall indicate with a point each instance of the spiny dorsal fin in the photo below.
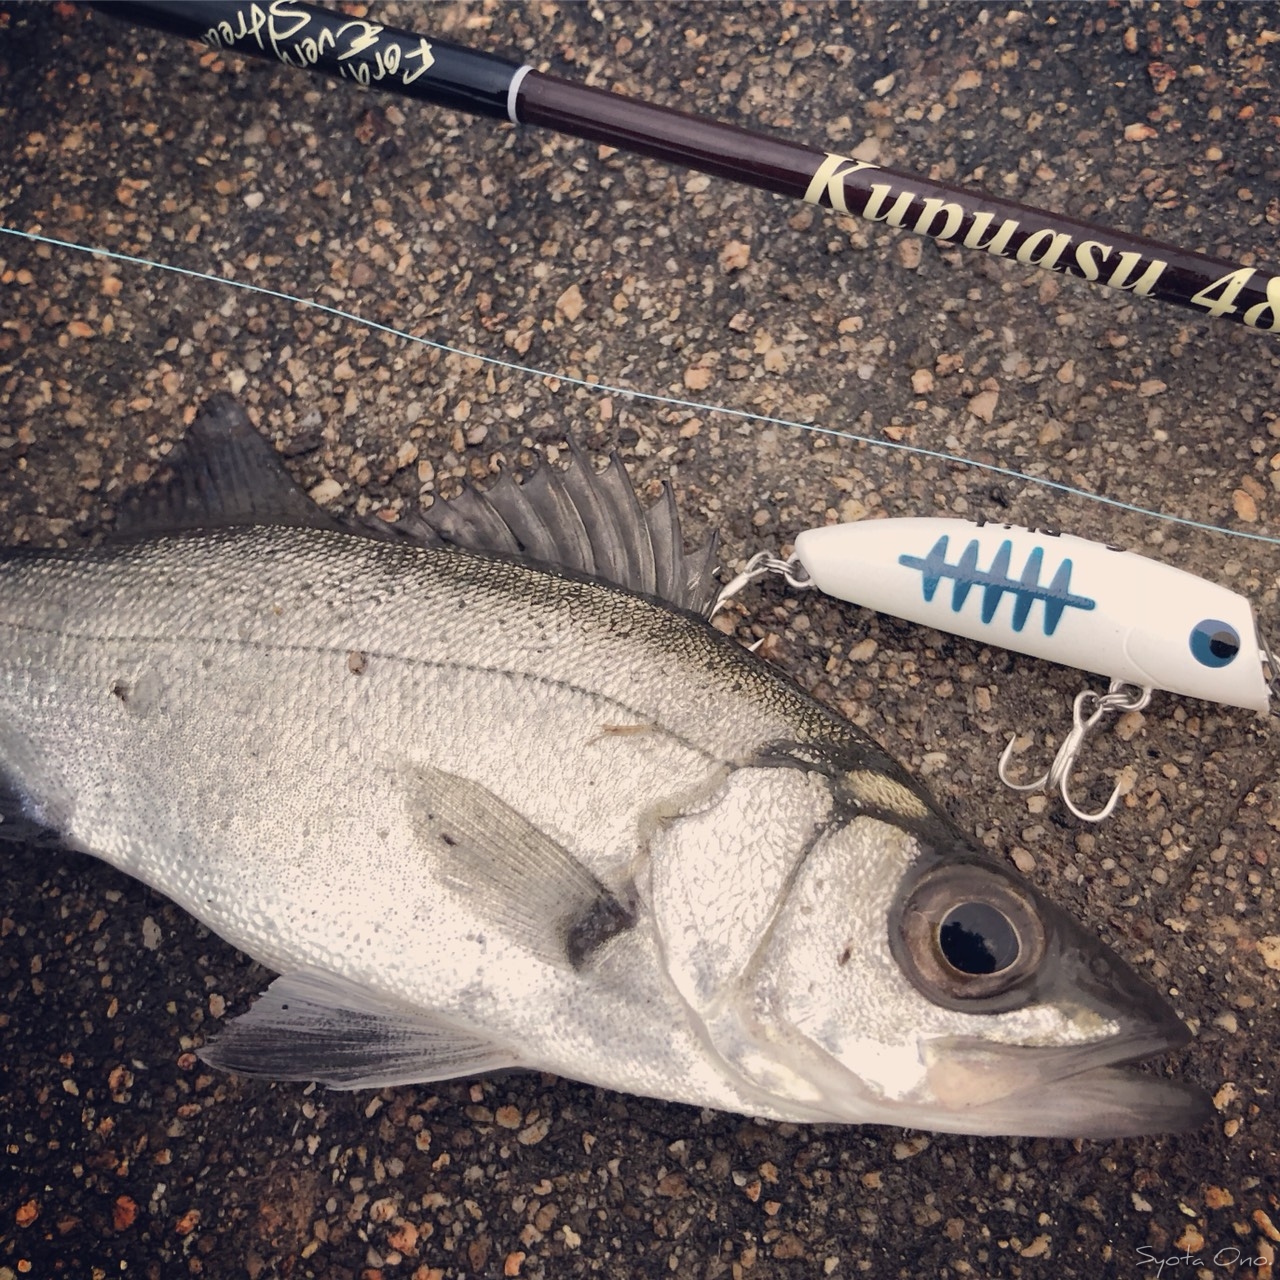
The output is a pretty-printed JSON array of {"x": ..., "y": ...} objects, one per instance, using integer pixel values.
[
  {"x": 223, "y": 473},
  {"x": 587, "y": 522}
]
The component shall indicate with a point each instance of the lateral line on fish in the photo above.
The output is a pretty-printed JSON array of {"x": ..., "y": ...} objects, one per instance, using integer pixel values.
[
  {"x": 335, "y": 651},
  {"x": 593, "y": 384}
]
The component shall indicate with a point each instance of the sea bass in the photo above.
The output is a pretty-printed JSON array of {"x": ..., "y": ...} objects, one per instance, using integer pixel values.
[{"x": 489, "y": 792}]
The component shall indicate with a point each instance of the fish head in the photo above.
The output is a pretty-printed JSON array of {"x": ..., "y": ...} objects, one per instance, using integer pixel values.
[
  {"x": 1028, "y": 1015},
  {"x": 920, "y": 984}
]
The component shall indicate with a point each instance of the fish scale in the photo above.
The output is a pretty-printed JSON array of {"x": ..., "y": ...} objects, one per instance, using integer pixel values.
[{"x": 427, "y": 693}]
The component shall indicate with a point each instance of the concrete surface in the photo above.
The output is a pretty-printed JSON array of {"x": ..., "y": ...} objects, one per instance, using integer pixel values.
[{"x": 121, "y": 1155}]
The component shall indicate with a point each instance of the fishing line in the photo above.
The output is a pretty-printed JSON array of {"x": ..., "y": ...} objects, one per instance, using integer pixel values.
[{"x": 653, "y": 397}]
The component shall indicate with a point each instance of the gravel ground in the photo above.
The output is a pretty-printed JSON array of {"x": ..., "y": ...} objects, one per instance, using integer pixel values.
[{"x": 122, "y": 1154}]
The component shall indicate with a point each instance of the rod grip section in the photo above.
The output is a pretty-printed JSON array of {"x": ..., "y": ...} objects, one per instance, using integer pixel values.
[{"x": 353, "y": 49}]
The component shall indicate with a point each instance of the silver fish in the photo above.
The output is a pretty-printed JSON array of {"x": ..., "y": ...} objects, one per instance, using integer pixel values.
[{"x": 480, "y": 812}]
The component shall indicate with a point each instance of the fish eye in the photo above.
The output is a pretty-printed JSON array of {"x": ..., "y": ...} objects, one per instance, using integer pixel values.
[
  {"x": 969, "y": 936},
  {"x": 977, "y": 938},
  {"x": 1214, "y": 643}
]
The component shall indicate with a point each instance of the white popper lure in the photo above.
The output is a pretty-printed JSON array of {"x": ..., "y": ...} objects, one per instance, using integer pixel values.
[{"x": 1143, "y": 624}]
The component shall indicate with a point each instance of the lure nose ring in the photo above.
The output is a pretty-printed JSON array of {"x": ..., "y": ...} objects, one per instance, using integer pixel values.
[{"x": 1120, "y": 697}]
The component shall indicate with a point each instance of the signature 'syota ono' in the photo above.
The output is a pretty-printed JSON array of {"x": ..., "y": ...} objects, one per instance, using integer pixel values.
[{"x": 488, "y": 792}]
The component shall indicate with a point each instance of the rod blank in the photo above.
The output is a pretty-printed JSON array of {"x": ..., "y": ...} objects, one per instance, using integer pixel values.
[{"x": 436, "y": 71}]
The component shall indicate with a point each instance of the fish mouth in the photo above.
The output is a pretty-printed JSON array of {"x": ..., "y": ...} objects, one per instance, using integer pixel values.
[
  {"x": 1068, "y": 1091},
  {"x": 1082, "y": 1090},
  {"x": 1097, "y": 1102}
]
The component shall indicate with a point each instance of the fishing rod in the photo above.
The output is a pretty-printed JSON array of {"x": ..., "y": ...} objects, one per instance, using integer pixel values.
[{"x": 414, "y": 65}]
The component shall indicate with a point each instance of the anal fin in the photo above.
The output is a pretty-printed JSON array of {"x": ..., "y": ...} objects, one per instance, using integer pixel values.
[
  {"x": 312, "y": 1025},
  {"x": 25, "y": 816},
  {"x": 17, "y": 826}
]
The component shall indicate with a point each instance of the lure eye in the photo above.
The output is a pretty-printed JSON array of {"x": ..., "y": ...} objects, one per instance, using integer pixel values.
[
  {"x": 1214, "y": 643},
  {"x": 969, "y": 936}
]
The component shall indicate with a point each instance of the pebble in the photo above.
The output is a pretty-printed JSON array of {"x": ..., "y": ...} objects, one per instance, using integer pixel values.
[
  {"x": 983, "y": 405},
  {"x": 327, "y": 491}
]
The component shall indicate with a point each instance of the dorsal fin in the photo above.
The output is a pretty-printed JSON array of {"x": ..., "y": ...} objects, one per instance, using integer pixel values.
[
  {"x": 223, "y": 473},
  {"x": 587, "y": 522}
]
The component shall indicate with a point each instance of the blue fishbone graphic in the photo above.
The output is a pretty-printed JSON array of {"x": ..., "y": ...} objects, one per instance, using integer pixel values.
[{"x": 995, "y": 581}]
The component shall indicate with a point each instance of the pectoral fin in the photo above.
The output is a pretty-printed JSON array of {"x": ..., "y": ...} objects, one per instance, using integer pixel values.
[
  {"x": 316, "y": 1026},
  {"x": 533, "y": 888}
]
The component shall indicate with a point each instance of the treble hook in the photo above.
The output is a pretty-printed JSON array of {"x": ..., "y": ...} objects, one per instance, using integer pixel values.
[
  {"x": 1270, "y": 667},
  {"x": 1119, "y": 697}
]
